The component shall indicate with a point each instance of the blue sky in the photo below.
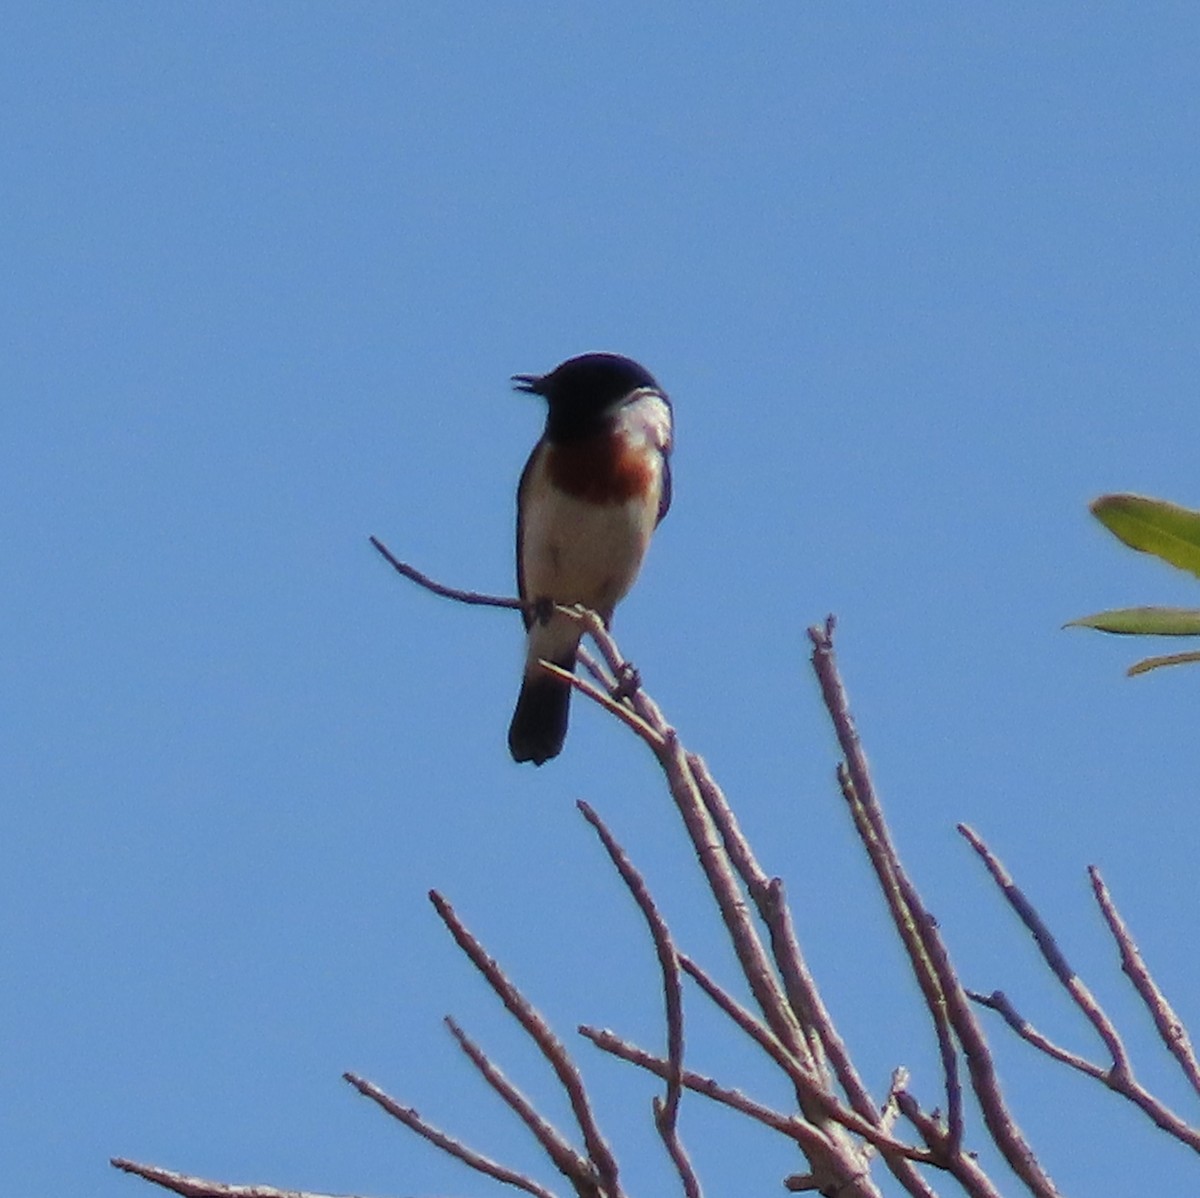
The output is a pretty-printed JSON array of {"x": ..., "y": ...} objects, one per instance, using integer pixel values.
[{"x": 921, "y": 281}]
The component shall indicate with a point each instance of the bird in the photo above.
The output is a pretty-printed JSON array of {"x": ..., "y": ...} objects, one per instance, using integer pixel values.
[{"x": 594, "y": 489}]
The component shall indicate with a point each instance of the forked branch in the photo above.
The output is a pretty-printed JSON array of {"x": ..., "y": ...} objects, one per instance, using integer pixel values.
[{"x": 1118, "y": 1075}]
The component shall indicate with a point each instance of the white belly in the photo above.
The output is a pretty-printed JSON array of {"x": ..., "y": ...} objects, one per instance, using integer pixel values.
[
  {"x": 577, "y": 552},
  {"x": 573, "y": 551}
]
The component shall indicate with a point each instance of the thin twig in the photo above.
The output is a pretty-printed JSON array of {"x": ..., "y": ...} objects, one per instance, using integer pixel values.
[
  {"x": 664, "y": 947},
  {"x": 595, "y": 667},
  {"x": 1125, "y": 1084},
  {"x": 543, "y": 1036},
  {"x": 794, "y": 1127},
  {"x": 623, "y": 713},
  {"x": 675, "y": 1149},
  {"x": 1054, "y": 957},
  {"x": 1170, "y": 1027},
  {"x": 999, "y": 1002},
  {"x": 475, "y": 598},
  {"x": 839, "y": 1162},
  {"x": 588, "y": 619},
  {"x": 200, "y": 1187},
  {"x": 962, "y": 1166},
  {"x": 798, "y": 1070},
  {"x": 911, "y": 928},
  {"x": 666, "y": 1110},
  {"x": 854, "y": 779},
  {"x": 904, "y": 904},
  {"x": 638, "y": 698},
  {"x": 448, "y": 1144},
  {"x": 890, "y": 1111},
  {"x": 593, "y": 625},
  {"x": 569, "y": 1163}
]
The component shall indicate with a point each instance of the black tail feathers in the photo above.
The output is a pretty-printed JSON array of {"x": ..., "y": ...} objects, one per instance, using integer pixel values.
[{"x": 539, "y": 724}]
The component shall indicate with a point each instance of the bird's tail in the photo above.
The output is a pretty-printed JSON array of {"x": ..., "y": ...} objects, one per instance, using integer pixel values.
[{"x": 539, "y": 724}]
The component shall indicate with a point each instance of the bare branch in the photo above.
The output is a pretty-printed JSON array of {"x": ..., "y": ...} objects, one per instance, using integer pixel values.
[
  {"x": 1051, "y": 953},
  {"x": 669, "y": 1132},
  {"x": 569, "y": 1163},
  {"x": 803, "y": 994},
  {"x": 799, "y": 1071},
  {"x": 543, "y": 1036},
  {"x": 999, "y": 1002},
  {"x": 854, "y": 781},
  {"x": 839, "y": 1163},
  {"x": 448, "y": 1144},
  {"x": 666, "y": 1111},
  {"x": 799, "y": 988},
  {"x": 911, "y": 927},
  {"x": 800, "y": 1130},
  {"x": 621, "y": 670},
  {"x": 861, "y": 793},
  {"x": 199, "y": 1187},
  {"x": 1157, "y": 1111},
  {"x": 668, "y": 957},
  {"x": 715, "y": 862},
  {"x": 475, "y": 598},
  {"x": 809, "y": 1138},
  {"x": 1170, "y": 1027},
  {"x": 589, "y": 619}
]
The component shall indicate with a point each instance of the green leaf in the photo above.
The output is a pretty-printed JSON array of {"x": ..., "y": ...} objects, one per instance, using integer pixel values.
[
  {"x": 1153, "y": 663},
  {"x": 1153, "y": 526},
  {"x": 1143, "y": 621}
]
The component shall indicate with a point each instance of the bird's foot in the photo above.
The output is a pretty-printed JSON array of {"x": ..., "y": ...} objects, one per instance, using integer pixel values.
[{"x": 628, "y": 682}]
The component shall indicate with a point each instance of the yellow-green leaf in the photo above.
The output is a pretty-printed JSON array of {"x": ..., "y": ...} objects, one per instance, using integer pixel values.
[
  {"x": 1153, "y": 526},
  {"x": 1153, "y": 663},
  {"x": 1144, "y": 621}
]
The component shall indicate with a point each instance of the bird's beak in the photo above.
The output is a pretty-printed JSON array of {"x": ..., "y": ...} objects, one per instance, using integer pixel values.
[{"x": 527, "y": 382}]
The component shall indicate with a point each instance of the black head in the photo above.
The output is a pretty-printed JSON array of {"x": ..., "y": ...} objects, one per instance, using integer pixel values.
[{"x": 583, "y": 391}]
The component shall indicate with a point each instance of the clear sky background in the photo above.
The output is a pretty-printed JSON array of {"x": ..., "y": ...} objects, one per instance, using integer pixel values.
[{"x": 921, "y": 282}]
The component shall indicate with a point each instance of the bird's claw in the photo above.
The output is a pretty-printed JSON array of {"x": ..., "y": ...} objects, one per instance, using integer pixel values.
[{"x": 628, "y": 682}]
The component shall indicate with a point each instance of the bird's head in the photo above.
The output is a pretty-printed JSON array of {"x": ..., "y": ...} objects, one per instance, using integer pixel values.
[{"x": 584, "y": 392}]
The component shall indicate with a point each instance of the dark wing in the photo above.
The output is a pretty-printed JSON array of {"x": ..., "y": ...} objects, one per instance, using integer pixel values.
[
  {"x": 526, "y": 614},
  {"x": 664, "y": 499}
]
